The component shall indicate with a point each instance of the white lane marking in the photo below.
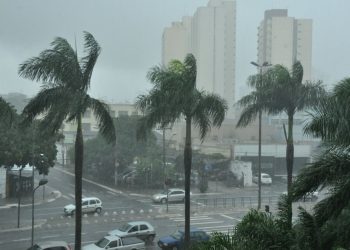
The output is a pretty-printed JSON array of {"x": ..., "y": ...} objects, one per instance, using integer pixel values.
[
  {"x": 71, "y": 195},
  {"x": 227, "y": 226},
  {"x": 23, "y": 239},
  {"x": 207, "y": 222},
  {"x": 66, "y": 197},
  {"x": 229, "y": 217},
  {"x": 110, "y": 192},
  {"x": 49, "y": 236},
  {"x": 100, "y": 232}
]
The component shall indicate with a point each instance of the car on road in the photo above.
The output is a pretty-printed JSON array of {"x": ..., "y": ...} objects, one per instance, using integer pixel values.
[
  {"x": 265, "y": 179},
  {"x": 171, "y": 194},
  {"x": 176, "y": 240},
  {"x": 51, "y": 245},
  {"x": 112, "y": 242},
  {"x": 88, "y": 205},
  {"x": 140, "y": 229}
]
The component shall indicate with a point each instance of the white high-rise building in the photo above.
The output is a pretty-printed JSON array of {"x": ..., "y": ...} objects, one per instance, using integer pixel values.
[
  {"x": 211, "y": 36},
  {"x": 284, "y": 40}
]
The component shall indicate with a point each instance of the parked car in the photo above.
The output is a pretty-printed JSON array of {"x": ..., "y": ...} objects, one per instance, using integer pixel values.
[
  {"x": 176, "y": 240},
  {"x": 265, "y": 179},
  {"x": 174, "y": 194},
  {"x": 112, "y": 242},
  {"x": 89, "y": 205},
  {"x": 140, "y": 229},
  {"x": 51, "y": 245}
]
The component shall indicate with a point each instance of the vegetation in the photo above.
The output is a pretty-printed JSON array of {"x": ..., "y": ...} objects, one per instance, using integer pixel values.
[
  {"x": 100, "y": 158},
  {"x": 330, "y": 171},
  {"x": 254, "y": 104},
  {"x": 63, "y": 97},
  {"x": 174, "y": 96}
]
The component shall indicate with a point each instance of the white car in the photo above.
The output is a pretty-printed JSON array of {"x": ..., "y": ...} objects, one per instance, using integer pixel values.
[
  {"x": 173, "y": 194},
  {"x": 113, "y": 242},
  {"x": 88, "y": 205},
  {"x": 140, "y": 229},
  {"x": 49, "y": 245},
  {"x": 265, "y": 179}
]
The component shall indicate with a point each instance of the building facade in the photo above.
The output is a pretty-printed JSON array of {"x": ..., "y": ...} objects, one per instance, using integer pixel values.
[
  {"x": 210, "y": 35},
  {"x": 284, "y": 40}
]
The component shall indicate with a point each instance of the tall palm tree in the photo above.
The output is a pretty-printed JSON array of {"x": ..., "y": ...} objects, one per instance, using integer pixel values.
[
  {"x": 63, "y": 97},
  {"x": 331, "y": 122},
  {"x": 289, "y": 94},
  {"x": 175, "y": 96},
  {"x": 254, "y": 104}
]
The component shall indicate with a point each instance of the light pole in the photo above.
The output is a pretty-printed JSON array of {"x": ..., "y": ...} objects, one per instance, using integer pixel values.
[
  {"x": 260, "y": 67},
  {"x": 41, "y": 183}
]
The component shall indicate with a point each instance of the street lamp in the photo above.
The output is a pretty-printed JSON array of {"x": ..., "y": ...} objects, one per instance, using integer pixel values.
[
  {"x": 41, "y": 183},
  {"x": 260, "y": 67}
]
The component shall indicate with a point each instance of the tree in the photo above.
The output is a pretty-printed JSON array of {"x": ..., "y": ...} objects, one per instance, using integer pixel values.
[
  {"x": 254, "y": 104},
  {"x": 331, "y": 122},
  {"x": 7, "y": 112},
  {"x": 289, "y": 94},
  {"x": 63, "y": 97},
  {"x": 174, "y": 96}
]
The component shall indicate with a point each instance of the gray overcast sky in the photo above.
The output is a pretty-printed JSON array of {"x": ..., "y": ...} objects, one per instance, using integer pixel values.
[{"x": 130, "y": 32}]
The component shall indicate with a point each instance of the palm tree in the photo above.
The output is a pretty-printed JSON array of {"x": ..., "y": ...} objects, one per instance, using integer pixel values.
[
  {"x": 63, "y": 97},
  {"x": 175, "y": 96},
  {"x": 331, "y": 122},
  {"x": 254, "y": 104},
  {"x": 289, "y": 94},
  {"x": 7, "y": 112}
]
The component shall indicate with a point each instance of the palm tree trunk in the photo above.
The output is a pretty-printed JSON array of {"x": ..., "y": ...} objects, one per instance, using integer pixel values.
[
  {"x": 259, "y": 163},
  {"x": 289, "y": 162},
  {"x": 79, "y": 151},
  {"x": 187, "y": 164}
]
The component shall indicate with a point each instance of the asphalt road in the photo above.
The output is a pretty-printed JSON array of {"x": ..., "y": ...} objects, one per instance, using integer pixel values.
[{"x": 119, "y": 208}]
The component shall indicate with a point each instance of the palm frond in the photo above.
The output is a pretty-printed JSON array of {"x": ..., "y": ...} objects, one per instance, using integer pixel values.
[
  {"x": 105, "y": 121},
  {"x": 93, "y": 49},
  {"x": 248, "y": 115},
  {"x": 57, "y": 65}
]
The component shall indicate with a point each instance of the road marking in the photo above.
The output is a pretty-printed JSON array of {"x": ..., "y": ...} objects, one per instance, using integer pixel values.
[
  {"x": 226, "y": 226},
  {"x": 207, "y": 222},
  {"x": 110, "y": 192},
  {"x": 23, "y": 239},
  {"x": 49, "y": 236},
  {"x": 71, "y": 195},
  {"x": 66, "y": 197},
  {"x": 229, "y": 217}
]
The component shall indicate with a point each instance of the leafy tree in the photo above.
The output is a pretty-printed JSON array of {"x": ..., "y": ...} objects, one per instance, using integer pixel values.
[
  {"x": 100, "y": 157},
  {"x": 289, "y": 94},
  {"x": 330, "y": 170},
  {"x": 254, "y": 104},
  {"x": 63, "y": 96},
  {"x": 174, "y": 96},
  {"x": 7, "y": 112}
]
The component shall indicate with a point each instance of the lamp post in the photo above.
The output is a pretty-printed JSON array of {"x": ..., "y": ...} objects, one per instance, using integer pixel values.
[
  {"x": 41, "y": 183},
  {"x": 260, "y": 67}
]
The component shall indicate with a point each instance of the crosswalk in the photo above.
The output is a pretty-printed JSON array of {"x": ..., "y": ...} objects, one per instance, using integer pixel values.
[{"x": 206, "y": 223}]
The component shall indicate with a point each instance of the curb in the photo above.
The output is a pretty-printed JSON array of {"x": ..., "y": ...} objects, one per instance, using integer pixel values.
[
  {"x": 57, "y": 194},
  {"x": 42, "y": 222}
]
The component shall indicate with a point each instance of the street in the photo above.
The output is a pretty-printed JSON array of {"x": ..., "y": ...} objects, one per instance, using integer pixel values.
[{"x": 120, "y": 207}]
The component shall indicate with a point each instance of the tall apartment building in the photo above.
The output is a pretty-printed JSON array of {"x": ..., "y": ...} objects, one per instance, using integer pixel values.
[
  {"x": 210, "y": 35},
  {"x": 283, "y": 40}
]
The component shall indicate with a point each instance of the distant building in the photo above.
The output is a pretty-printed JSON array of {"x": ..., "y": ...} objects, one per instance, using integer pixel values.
[
  {"x": 211, "y": 36},
  {"x": 283, "y": 40}
]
